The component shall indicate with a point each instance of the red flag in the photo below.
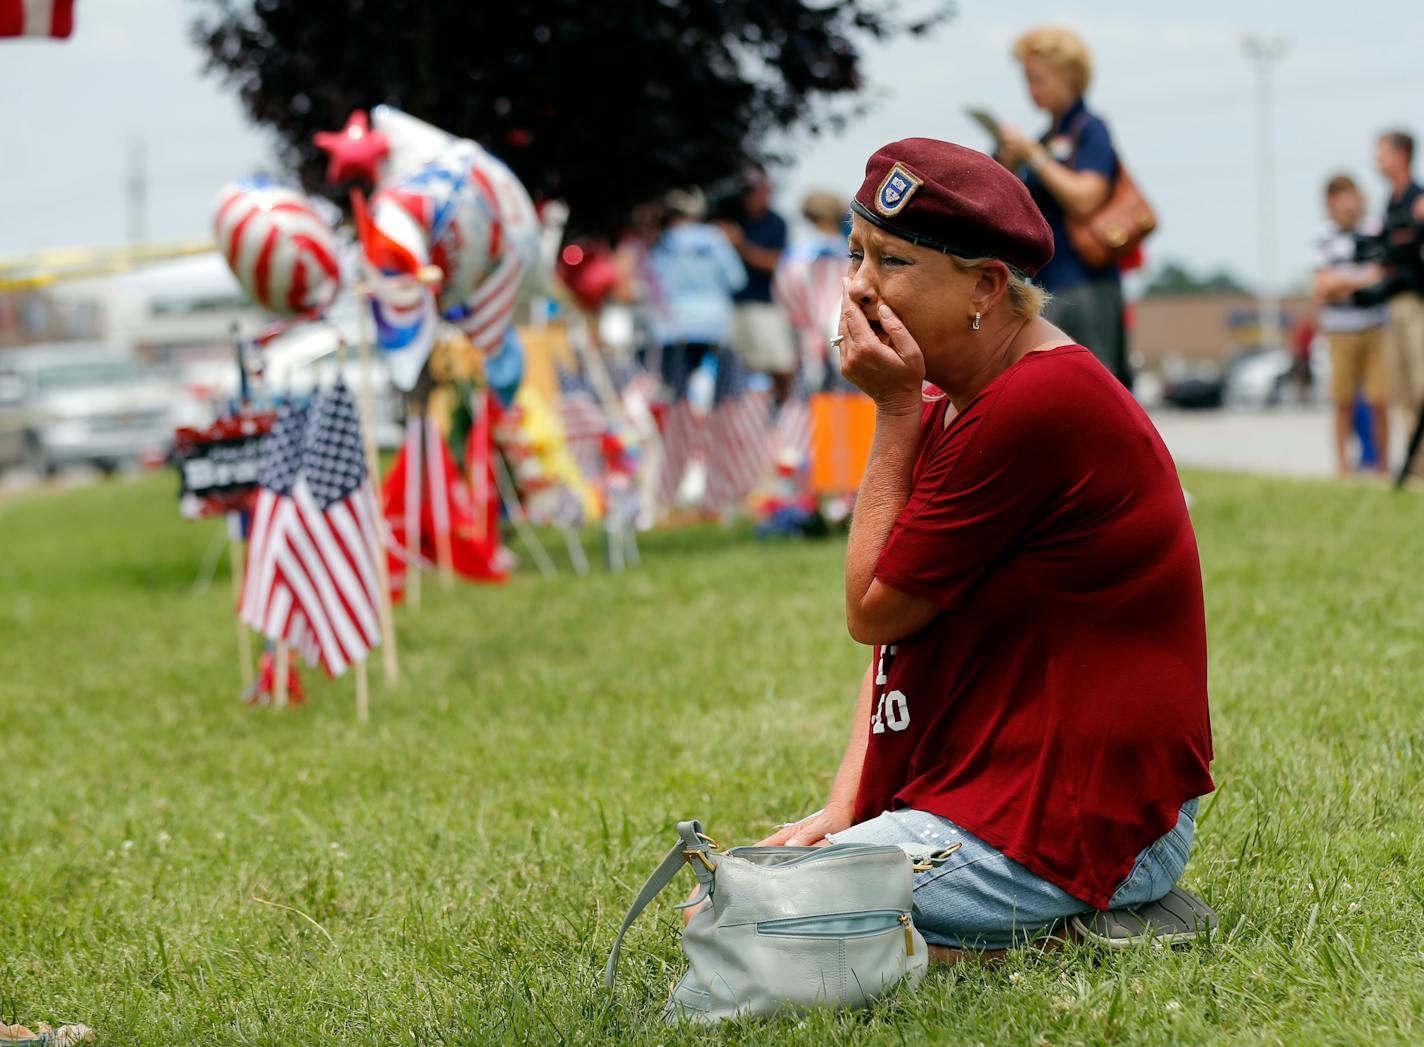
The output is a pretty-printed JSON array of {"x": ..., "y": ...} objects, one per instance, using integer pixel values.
[
  {"x": 53, "y": 18},
  {"x": 474, "y": 557}
]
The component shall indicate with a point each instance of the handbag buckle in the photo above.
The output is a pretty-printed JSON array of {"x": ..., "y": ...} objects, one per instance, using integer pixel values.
[
  {"x": 935, "y": 859},
  {"x": 701, "y": 856}
]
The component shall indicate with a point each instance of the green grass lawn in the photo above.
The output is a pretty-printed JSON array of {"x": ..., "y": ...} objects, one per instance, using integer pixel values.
[{"x": 180, "y": 869}]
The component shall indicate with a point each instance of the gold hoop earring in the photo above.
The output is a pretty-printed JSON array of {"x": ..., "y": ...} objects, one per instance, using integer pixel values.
[{"x": 976, "y": 322}]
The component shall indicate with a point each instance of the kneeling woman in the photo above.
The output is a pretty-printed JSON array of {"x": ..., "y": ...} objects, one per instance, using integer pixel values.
[{"x": 1022, "y": 561}]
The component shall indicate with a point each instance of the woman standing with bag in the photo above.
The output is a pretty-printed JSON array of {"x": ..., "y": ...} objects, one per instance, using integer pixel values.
[{"x": 1071, "y": 173}]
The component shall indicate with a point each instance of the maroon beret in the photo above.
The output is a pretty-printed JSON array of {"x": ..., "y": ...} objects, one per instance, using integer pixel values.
[{"x": 956, "y": 200}]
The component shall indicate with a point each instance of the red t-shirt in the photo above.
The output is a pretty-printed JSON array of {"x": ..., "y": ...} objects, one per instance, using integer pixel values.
[{"x": 1057, "y": 708}]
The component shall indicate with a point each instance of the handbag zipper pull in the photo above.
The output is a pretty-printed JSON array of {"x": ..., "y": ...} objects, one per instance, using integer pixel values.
[{"x": 909, "y": 934}]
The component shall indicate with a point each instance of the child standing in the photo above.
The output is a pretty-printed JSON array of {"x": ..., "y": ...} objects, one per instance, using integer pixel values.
[{"x": 1345, "y": 264}]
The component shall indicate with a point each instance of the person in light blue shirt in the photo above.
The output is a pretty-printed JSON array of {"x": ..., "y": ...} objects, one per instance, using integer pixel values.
[{"x": 695, "y": 272}]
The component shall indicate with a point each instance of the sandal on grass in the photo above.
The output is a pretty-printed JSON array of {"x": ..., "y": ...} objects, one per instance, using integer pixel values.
[{"x": 1175, "y": 918}]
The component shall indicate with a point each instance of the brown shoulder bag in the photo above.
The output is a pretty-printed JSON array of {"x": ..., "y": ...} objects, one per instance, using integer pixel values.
[{"x": 1114, "y": 231}]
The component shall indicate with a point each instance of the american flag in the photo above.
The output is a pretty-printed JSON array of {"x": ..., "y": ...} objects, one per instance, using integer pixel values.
[
  {"x": 487, "y": 316},
  {"x": 808, "y": 287},
  {"x": 311, "y": 570},
  {"x": 584, "y": 422},
  {"x": 791, "y": 432},
  {"x": 739, "y": 448},
  {"x": 731, "y": 441},
  {"x": 37, "y": 18},
  {"x": 266, "y": 603},
  {"x": 683, "y": 429}
]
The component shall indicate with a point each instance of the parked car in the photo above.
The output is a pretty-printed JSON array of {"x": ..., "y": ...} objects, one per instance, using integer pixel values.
[
  {"x": 1258, "y": 377},
  {"x": 1192, "y": 383},
  {"x": 66, "y": 404},
  {"x": 1267, "y": 377},
  {"x": 14, "y": 443},
  {"x": 296, "y": 362}
]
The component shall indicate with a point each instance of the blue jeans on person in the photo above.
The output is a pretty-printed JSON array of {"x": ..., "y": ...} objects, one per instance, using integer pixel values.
[{"x": 982, "y": 899}]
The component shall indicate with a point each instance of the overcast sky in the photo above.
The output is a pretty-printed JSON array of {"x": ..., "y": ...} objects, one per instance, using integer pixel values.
[{"x": 1172, "y": 83}]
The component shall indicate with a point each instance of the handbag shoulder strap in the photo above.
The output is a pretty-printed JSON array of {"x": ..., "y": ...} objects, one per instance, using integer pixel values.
[
  {"x": 1076, "y": 135},
  {"x": 692, "y": 847}
]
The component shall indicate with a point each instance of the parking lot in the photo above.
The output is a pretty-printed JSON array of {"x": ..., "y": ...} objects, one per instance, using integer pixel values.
[{"x": 1282, "y": 441}]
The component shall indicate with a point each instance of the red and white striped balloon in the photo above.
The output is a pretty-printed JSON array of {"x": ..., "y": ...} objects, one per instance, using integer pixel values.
[{"x": 278, "y": 247}]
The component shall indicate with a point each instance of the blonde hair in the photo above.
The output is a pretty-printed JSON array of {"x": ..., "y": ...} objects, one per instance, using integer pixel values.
[
  {"x": 1062, "y": 49},
  {"x": 822, "y": 206},
  {"x": 1026, "y": 298}
]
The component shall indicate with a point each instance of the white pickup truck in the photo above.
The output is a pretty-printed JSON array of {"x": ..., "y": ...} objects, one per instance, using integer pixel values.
[{"x": 66, "y": 404}]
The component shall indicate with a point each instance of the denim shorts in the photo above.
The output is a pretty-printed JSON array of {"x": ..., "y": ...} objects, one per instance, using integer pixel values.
[{"x": 982, "y": 899}]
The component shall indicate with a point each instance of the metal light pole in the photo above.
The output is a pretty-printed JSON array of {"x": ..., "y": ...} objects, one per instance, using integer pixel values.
[
  {"x": 136, "y": 191},
  {"x": 1262, "y": 51}
]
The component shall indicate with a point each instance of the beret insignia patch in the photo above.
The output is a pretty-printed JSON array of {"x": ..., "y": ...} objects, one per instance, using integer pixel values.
[{"x": 895, "y": 192}]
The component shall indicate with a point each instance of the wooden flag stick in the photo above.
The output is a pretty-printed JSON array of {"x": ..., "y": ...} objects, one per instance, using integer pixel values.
[
  {"x": 478, "y": 464},
  {"x": 615, "y": 548},
  {"x": 244, "y": 635},
  {"x": 368, "y": 424},
  {"x": 373, "y": 471},
  {"x": 279, "y": 681},
  {"x": 445, "y": 553},
  {"x": 509, "y": 497},
  {"x": 586, "y": 347},
  {"x": 574, "y": 544},
  {"x": 439, "y": 514},
  {"x": 363, "y": 693},
  {"x": 414, "y": 485}
]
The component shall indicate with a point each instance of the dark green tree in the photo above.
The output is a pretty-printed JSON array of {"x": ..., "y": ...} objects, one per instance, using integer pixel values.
[
  {"x": 604, "y": 103},
  {"x": 1173, "y": 278}
]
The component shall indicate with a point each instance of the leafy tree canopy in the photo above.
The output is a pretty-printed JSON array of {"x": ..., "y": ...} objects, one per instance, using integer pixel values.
[
  {"x": 1174, "y": 278},
  {"x": 603, "y": 104}
]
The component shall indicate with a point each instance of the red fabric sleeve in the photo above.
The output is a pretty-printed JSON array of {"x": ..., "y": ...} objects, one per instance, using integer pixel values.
[{"x": 983, "y": 486}]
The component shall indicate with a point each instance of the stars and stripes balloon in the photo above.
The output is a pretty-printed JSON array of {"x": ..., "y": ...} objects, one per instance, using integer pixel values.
[
  {"x": 278, "y": 247},
  {"x": 451, "y": 233}
]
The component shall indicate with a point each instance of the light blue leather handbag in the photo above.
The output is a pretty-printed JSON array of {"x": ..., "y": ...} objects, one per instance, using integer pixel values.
[{"x": 789, "y": 928}]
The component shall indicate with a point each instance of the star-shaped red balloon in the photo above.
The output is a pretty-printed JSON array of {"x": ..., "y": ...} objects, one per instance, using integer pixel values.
[{"x": 356, "y": 151}]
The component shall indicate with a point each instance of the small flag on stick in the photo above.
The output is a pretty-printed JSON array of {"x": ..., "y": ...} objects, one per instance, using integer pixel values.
[{"x": 312, "y": 576}]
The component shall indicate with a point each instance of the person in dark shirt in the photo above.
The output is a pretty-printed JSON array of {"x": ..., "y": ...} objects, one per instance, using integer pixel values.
[
  {"x": 1069, "y": 172},
  {"x": 1402, "y": 238},
  {"x": 762, "y": 334}
]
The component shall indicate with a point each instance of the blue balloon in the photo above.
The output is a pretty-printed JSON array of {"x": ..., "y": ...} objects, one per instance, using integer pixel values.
[{"x": 504, "y": 370}]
